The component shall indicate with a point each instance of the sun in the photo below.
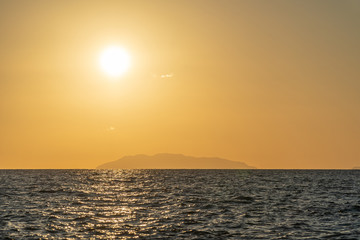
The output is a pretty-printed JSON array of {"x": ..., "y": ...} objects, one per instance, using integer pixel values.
[{"x": 114, "y": 61}]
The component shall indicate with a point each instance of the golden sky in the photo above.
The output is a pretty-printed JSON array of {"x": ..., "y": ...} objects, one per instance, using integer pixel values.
[{"x": 275, "y": 84}]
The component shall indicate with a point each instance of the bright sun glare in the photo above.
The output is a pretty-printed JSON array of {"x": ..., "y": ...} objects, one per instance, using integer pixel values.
[{"x": 114, "y": 61}]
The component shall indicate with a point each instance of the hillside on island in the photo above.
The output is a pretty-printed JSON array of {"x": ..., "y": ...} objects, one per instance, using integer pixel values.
[{"x": 172, "y": 161}]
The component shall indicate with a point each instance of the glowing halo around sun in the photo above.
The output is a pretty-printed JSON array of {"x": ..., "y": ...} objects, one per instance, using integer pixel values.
[{"x": 114, "y": 61}]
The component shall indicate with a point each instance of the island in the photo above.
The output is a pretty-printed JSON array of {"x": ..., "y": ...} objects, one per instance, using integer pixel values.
[{"x": 173, "y": 161}]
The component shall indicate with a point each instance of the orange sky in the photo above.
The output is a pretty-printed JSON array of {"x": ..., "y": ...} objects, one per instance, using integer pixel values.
[{"x": 274, "y": 84}]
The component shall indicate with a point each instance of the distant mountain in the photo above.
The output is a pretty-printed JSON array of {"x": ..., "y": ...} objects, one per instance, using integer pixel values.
[{"x": 172, "y": 161}]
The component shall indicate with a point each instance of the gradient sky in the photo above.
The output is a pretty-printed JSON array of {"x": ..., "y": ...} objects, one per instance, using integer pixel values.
[{"x": 275, "y": 84}]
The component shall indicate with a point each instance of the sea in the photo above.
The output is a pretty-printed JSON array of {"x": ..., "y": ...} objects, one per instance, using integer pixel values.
[{"x": 179, "y": 204}]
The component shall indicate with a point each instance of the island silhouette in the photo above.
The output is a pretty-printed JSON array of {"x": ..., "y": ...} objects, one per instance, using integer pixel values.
[{"x": 172, "y": 161}]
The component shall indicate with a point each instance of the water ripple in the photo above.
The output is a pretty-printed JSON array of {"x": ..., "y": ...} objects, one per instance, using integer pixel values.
[{"x": 180, "y": 204}]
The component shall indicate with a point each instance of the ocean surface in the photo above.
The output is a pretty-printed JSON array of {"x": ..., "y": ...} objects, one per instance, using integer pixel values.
[{"x": 180, "y": 204}]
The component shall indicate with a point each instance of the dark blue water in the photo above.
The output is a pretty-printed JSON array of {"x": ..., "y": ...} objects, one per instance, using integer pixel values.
[{"x": 179, "y": 204}]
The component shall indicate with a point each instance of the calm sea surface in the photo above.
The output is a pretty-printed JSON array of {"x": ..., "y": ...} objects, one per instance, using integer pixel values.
[{"x": 179, "y": 204}]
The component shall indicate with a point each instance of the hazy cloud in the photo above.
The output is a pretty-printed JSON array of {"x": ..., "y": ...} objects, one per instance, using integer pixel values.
[
  {"x": 166, "y": 75},
  {"x": 109, "y": 129}
]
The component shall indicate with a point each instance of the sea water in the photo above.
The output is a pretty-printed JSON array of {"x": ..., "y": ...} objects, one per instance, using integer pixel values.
[{"x": 179, "y": 204}]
